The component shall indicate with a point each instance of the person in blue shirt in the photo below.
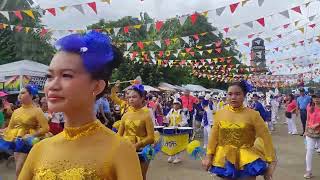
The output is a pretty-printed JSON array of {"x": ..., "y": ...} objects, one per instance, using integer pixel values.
[
  {"x": 303, "y": 101},
  {"x": 258, "y": 106},
  {"x": 102, "y": 109}
]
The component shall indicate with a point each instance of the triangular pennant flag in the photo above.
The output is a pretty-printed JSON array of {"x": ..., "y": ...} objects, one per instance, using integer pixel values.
[
  {"x": 250, "y": 36},
  {"x": 160, "y": 54},
  {"x": 301, "y": 30},
  {"x": 158, "y": 43},
  {"x": 192, "y": 53},
  {"x": 296, "y": 23},
  {"x": 260, "y": 2},
  {"x": 79, "y": 8},
  {"x": 296, "y": 9},
  {"x": 108, "y": 1},
  {"x": 228, "y": 48},
  {"x": 249, "y": 24},
  {"x": 52, "y": 11},
  {"x": 19, "y": 28},
  {"x": 188, "y": 49},
  {"x": 126, "y": 29},
  {"x": 279, "y": 36},
  {"x": 182, "y": 20},
  {"x": 285, "y": 13},
  {"x": 286, "y": 26},
  {"x": 5, "y": 14},
  {"x": 167, "y": 42},
  {"x": 218, "y": 50},
  {"x": 137, "y": 26},
  {"x": 312, "y": 25},
  {"x": 244, "y": 2},
  {"x": 129, "y": 46},
  {"x": 43, "y": 32},
  {"x": 29, "y": 13},
  {"x": 246, "y": 44},
  {"x": 226, "y": 29},
  {"x": 261, "y": 21},
  {"x": 63, "y": 8},
  {"x": 194, "y": 17},
  {"x": 218, "y": 43},
  {"x": 27, "y": 29},
  {"x": 152, "y": 54},
  {"x": 159, "y": 24},
  {"x": 125, "y": 54},
  {"x": 209, "y": 51},
  {"x": 312, "y": 17},
  {"x": 18, "y": 14},
  {"x": 186, "y": 39},
  {"x": 93, "y": 6},
  {"x": 200, "y": 52},
  {"x": 205, "y": 14},
  {"x": 140, "y": 45},
  {"x": 116, "y": 31},
  {"x": 196, "y": 37},
  {"x": 12, "y": 27},
  {"x": 219, "y": 11},
  {"x": 148, "y": 27},
  {"x": 233, "y": 7}
]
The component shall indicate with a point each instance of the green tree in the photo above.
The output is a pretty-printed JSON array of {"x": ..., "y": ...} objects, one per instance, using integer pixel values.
[
  {"x": 174, "y": 73},
  {"x": 23, "y": 45}
]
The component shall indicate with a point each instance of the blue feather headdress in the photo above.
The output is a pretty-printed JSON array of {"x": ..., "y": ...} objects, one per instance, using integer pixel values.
[
  {"x": 138, "y": 87},
  {"x": 94, "y": 48},
  {"x": 33, "y": 89}
]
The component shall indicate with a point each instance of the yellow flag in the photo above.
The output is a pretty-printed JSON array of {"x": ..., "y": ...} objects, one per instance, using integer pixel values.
[
  {"x": 63, "y": 8},
  {"x": 168, "y": 53},
  {"x": 5, "y": 26},
  {"x": 301, "y": 29},
  {"x": 209, "y": 51},
  {"x": 199, "y": 47},
  {"x": 29, "y": 13},
  {"x": 147, "y": 43},
  {"x": 183, "y": 54},
  {"x": 108, "y": 1},
  {"x": 108, "y": 30},
  {"x": 174, "y": 40},
  {"x": 215, "y": 59},
  {"x": 27, "y": 29},
  {"x": 202, "y": 34},
  {"x": 227, "y": 41},
  {"x": 137, "y": 26},
  {"x": 244, "y": 2},
  {"x": 205, "y": 14}
]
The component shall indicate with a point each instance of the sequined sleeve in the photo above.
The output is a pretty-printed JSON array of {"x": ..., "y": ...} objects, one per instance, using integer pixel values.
[
  {"x": 213, "y": 138},
  {"x": 125, "y": 170},
  {"x": 115, "y": 98},
  {"x": 43, "y": 122},
  {"x": 121, "y": 128},
  {"x": 149, "y": 139},
  {"x": 262, "y": 132}
]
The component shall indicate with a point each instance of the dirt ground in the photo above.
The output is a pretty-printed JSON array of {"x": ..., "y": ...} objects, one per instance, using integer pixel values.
[{"x": 290, "y": 151}]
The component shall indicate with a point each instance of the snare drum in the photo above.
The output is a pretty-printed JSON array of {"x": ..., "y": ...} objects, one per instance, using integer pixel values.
[
  {"x": 185, "y": 130},
  {"x": 159, "y": 129},
  {"x": 169, "y": 130}
]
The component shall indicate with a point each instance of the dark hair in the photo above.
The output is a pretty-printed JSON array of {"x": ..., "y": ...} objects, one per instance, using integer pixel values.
[
  {"x": 142, "y": 94},
  {"x": 241, "y": 85},
  {"x": 106, "y": 72},
  {"x": 291, "y": 97}
]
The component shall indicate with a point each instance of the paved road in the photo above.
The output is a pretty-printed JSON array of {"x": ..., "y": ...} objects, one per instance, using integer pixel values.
[{"x": 290, "y": 149}]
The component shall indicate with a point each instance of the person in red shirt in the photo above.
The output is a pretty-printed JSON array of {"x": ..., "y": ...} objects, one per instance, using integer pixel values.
[
  {"x": 187, "y": 104},
  {"x": 291, "y": 109}
]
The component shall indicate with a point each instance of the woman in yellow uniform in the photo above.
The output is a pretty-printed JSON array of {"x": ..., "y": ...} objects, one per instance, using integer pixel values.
[
  {"x": 26, "y": 122},
  {"x": 233, "y": 152},
  {"x": 136, "y": 125},
  {"x": 85, "y": 149}
]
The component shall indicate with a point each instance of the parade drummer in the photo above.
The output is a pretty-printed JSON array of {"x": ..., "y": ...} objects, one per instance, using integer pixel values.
[
  {"x": 26, "y": 122},
  {"x": 176, "y": 118},
  {"x": 207, "y": 122},
  {"x": 136, "y": 125},
  {"x": 232, "y": 149}
]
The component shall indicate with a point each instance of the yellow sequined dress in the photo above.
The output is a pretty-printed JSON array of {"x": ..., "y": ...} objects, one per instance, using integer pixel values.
[
  {"x": 239, "y": 139},
  {"x": 27, "y": 119},
  {"x": 90, "y": 152},
  {"x": 137, "y": 127}
]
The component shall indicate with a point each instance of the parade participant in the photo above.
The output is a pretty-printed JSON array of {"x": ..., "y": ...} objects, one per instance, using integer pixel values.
[
  {"x": 25, "y": 122},
  {"x": 303, "y": 101},
  {"x": 176, "y": 118},
  {"x": 268, "y": 117},
  {"x": 258, "y": 106},
  {"x": 207, "y": 122},
  {"x": 290, "y": 113},
  {"x": 274, "y": 109},
  {"x": 136, "y": 125},
  {"x": 231, "y": 152},
  {"x": 312, "y": 132},
  {"x": 86, "y": 149},
  {"x": 188, "y": 102},
  {"x": 123, "y": 103},
  {"x": 158, "y": 111}
]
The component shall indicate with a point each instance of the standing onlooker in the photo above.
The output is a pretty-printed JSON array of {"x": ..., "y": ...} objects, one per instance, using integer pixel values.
[
  {"x": 303, "y": 101},
  {"x": 268, "y": 117},
  {"x": 290, "y": 114},
  {"x": 312, "y": 132},
  {"x": 274, "y": 109},
  {"x": 207, "y": 122},
  {"x": 258, "y": 106},
  {"x": 187, "y": 104}
]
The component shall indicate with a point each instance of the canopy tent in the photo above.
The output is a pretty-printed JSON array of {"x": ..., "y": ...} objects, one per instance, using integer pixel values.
[
  {"x": 17, "y": 74},
  {"x": 217, "y": 90},
  {"x": 195, "y": 88},
  {"x": 146, "y": 88}
]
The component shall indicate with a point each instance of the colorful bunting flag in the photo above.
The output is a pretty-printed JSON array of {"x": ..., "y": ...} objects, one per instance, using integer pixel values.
[
  {"x": 79, "y": 8},
  {"x": 219, "y": 11},
  {"x": 194, "y": 17},
  {"x": 52, "y": 11},
  {"x": 260, "y": 2},
  {"x": 233, "y": 7},
  {"x": 261, "y": 21},
  {"x": 29, "y": 13},
  {"x": 5, "y": 14},
  {"x": 182, "y": 20},
  {"x": 93, "y": 6},
  {"x": 285, "y": 14},
  {"x": 297, "y": 9},
  {"x": 159, "y": 24},
  {"x": 126, "y": 29},
  {"x": 18, "y": 14},
  {"x": 249, "y": 24}
]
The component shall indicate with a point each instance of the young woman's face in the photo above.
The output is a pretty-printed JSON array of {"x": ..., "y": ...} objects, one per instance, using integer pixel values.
[
  {"x": 235, "y": 96},
  {"x": 176, "y": 106},
  {"x": 24, "y": 96},
  {"x": 134, "y": 99},
  {"x": 69, "y": 86}
]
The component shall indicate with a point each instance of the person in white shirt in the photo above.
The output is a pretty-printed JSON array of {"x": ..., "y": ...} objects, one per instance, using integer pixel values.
[
  {"x": 274, "y": 109},
  {"x": 207, "y": 122}
]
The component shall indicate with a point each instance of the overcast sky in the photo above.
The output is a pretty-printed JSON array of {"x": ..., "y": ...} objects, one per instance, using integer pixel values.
[{"x": 163, "y": 9}]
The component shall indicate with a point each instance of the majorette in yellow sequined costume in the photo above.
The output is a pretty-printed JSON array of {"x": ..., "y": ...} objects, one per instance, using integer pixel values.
[
  {"x": 88, "y": 152},
  {"x": 232, "y": 143},
  {"x": 137, "y": 127},
  {"x": 27, "y": 119}
]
